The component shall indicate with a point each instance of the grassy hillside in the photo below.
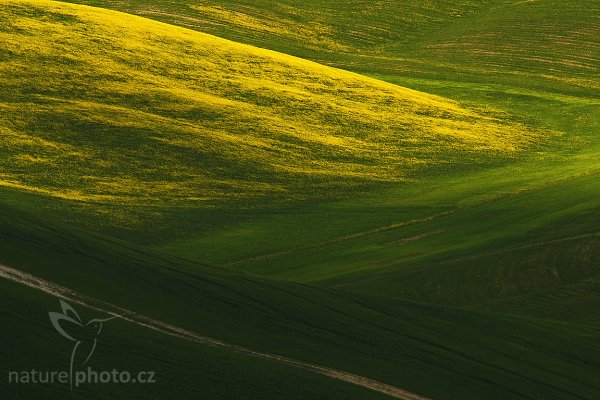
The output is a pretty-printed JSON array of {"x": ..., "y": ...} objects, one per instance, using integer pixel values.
[
  {"x": 550, "y": 43},
  {"x": 426, "y": 245},
  {"x": 183, "y": 369},
  {"x": 414, "y": 44},
  {"x": 126, "y": 115},
  {"x": 230, "y": 148},
  {"x": 319, "y": 26},
  {"x": 437, "y": 351},
  {"x": 445, "y": 243},
  {"x": 536, "y": 61},
  {"x": 545, "y": 238}
]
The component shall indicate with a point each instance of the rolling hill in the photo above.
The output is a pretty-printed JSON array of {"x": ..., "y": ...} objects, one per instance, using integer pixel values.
[
  {"x": 405, "y": 193},
  {"x": 124, "y": 112},
  {"x": 435, "y": 351},
  {"x": 539, "y": 44}
]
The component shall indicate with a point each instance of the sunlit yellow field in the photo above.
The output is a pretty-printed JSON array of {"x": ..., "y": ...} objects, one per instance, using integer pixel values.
[
  {"x": 104, "y": 106},
  {"x": 300, "y": 199}
]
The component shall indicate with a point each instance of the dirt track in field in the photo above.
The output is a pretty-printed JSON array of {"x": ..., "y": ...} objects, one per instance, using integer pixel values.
[{"x": 61, "y": 292}]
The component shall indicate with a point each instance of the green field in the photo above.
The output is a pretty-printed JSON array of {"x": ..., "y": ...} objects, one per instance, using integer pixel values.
[{"x": 408, "y": 192}]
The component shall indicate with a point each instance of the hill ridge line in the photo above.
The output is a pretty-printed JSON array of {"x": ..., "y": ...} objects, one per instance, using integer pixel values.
[
  {"x": 64, "y": 293},
  {"x": 375, "y": 80}
]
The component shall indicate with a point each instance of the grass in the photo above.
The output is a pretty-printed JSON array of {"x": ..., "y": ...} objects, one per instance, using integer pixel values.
[
  {"x": 409, "y": 193},
  {"x": 433, "y": 350},
  {"x": 543, "y": 44},
  {"x": 149, "y": 111},
  {"x": 31, "y": 342},
  {"x": 327, "y": 27},
  {"x": 543, "y": 240}
]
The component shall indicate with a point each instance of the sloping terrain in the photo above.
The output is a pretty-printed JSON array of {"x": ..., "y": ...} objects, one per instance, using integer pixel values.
[
  {"x": 543, "y": 44},
  {"x": 31, "y": 342},
  {"x": 539, "y": 243},
  {"x": 322, "y": 27},
  {"x": 536, "y": 60},
  {"x": 106, "y": 108},
  {"x": 446, "y": 244},
  {"x": 435, "y": 351}
]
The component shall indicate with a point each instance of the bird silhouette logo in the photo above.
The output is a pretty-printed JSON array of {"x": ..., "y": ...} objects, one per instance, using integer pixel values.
[{"x": 84, "y": 335}]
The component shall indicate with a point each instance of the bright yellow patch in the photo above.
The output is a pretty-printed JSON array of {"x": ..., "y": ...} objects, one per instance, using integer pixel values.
[{"x": 107, "y": 107}]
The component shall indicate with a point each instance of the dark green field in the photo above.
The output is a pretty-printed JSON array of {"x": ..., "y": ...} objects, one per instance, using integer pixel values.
[{"x": 349, "y": 200}]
